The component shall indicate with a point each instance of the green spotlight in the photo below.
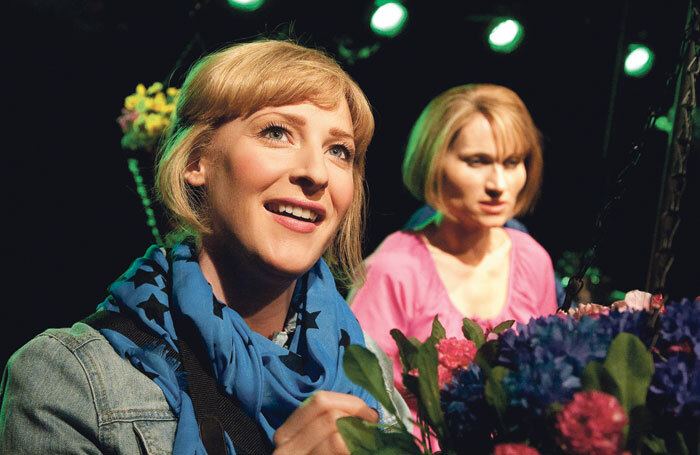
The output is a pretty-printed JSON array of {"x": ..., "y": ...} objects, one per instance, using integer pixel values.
[
  {"x": 246, "y": 5},
  {"x": 505, "y": 35},
  {"x": 638, "y": 61},
  {"x": 388, "y": 19}
]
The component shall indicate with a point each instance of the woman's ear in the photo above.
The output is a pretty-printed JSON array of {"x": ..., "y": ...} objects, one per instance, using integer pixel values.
[{"x": 196, "y": 171}]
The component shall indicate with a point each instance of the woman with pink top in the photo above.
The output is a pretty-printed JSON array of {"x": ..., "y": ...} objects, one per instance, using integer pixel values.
[{"x": 474, "y": 155}]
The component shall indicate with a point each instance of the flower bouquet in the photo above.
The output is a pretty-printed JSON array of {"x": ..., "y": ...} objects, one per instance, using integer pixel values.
[
  {"x": 595, "y": 381},
  {"x": 145, "y": 117}
]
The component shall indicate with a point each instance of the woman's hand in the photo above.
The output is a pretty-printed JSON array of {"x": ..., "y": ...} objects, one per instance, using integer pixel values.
[{"x": 311, "y": 429}]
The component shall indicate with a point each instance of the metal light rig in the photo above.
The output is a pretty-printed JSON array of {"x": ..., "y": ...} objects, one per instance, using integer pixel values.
[{"x": 674, "y": 174}]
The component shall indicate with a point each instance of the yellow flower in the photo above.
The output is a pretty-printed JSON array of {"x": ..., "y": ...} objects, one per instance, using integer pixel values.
[
  {"x": 131, "y": 101},
  {"x": 172, "y": 91},
  {"x": 141, "y": 89},
  {"x": 154, "y": 88},
  {"x": 152, "y": 124},
  {"x": 159, "y": 102}
]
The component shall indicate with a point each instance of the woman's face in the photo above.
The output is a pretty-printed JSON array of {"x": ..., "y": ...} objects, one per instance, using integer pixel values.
[
  {"x": 480, "y": 184},
  {"x": 279, "y": 183}
]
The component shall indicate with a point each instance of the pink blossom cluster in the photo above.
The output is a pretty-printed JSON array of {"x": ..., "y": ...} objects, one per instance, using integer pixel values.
[
  {"x": 592, "y": 310},
  {"x": 453, "y": 353},
  {"x": 634, "y": 300},
  {"x": 591, "y": 424}
]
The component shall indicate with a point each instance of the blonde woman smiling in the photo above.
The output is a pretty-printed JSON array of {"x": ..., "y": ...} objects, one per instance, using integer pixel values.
[{"x": 262, "y": 173}]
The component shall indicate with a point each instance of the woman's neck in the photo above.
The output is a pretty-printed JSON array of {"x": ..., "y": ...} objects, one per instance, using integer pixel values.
[
  {"x": 470, "y": 244},
  {"x": 262, "y": 299}
]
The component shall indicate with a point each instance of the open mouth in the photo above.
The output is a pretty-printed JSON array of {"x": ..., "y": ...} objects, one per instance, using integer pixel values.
[{"x": 293, "y": 211}]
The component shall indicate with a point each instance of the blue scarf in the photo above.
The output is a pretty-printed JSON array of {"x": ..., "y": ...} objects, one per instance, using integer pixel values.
[{"x": 268, "y": 380}]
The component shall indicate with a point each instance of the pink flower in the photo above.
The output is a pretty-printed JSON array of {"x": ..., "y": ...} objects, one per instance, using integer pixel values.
[
  {"x": 127, "y": 119},
  {"x": 453, "y": 353},
  {"x": 639, "y": 300},
  {"x": 514, "y": 449},
  {"x": 591, "y": 424},
  {"x": 592, "y": 310}
]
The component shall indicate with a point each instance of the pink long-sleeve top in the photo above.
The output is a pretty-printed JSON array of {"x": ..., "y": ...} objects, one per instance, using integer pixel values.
[{"x": 404, "y": 291}]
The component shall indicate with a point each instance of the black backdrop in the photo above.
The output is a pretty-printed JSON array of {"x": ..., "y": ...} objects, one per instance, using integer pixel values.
[{"x": 75, "y": 221}]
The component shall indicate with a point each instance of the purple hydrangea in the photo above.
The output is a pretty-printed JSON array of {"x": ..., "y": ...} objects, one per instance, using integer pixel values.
[
  {"x": 547, "y": 357},
  {"x": 617, "y": 322},
  {"x": 680, "y": 325},
  {"x": 469, "y": 417},
  {"x": 675, "y": 388}
]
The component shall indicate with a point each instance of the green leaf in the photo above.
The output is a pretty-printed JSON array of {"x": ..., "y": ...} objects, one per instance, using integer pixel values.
[
  {"x": 362, "y": 368},
  {"x": 596, "y": 377},
  {"x": 472, "y": 331},
  {"x": 367, "y": 438},
  {"x": 361, "y": 437},
  {"x": 677, "y": 445},
  {"x": 640, "y": 424},
  {"x": 503, "y": 326},
  {"x": 487, "y": 355},
  {"x": 495, "y": 394},
  {"x": 438, "y": 331},
  {"x": 410, "y": 383},
  {"x": 655, "y": 445},
  {"x": 632, "y": 367},
  {"x": 408, "y": 350},
  {"x": 427, "y": 361}
]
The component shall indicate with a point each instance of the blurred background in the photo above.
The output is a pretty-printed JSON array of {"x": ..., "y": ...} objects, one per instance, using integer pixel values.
[{"x": 74, "y": 218}]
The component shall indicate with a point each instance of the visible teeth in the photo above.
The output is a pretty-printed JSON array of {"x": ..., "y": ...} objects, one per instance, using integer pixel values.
[{"x": 296, "y": 211}]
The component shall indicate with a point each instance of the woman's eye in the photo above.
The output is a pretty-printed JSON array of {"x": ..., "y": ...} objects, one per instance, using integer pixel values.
[
  {"x": 340, "y": 151},
  {"x": 474, "y": 160},
  {"x": 274, "y": 133},
  {"x": 512, "y": 162}
]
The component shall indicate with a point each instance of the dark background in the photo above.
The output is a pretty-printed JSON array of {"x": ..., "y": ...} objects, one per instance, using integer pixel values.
[{"x": 75, "y": 221}]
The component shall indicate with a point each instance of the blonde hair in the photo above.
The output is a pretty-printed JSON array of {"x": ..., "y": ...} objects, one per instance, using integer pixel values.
[
  {"x": 236, "y": 82},
  {"x": 439, "y": 124}
]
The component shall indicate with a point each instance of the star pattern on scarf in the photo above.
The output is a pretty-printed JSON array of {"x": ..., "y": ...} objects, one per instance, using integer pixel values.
[
  {"x": 344, "y": 338},
  {"x": 154, "y": 309},
  {"x": 293, "y": 361},
  {"x": 142, "y": 276},
  {"x": 218, "y": 307},
  {"x": 310, "y": 319}
]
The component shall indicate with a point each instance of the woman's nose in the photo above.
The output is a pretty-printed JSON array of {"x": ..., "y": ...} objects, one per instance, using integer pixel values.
[
  {"x": 310, "y": 171},
  {"x": 495, "y": 182}
]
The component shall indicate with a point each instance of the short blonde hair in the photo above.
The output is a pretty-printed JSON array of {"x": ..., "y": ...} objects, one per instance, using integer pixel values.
[
  {"x": 236, "y": 82},
  {"x": 441, "y": 121}
]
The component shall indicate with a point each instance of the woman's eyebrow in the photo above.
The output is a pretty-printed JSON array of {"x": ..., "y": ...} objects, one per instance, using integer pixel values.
[
  {"x": 337, "y": 132},
  {"x": 296, "y": 120}
]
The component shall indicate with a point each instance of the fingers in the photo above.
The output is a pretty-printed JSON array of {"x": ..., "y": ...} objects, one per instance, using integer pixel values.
[{"x": 312, "y": 427}]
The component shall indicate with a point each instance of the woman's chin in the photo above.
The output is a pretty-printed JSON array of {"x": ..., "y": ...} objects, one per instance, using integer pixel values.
[{"x": 290, "y": 266}]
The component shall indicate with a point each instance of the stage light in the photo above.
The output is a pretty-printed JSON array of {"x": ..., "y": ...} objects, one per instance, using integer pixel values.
[
  {"x": 246, "y": 5},
  {"x": 505, "y": 35},
  {"x": 638, "y": 61},
  {"x": 388, "y": 19}
]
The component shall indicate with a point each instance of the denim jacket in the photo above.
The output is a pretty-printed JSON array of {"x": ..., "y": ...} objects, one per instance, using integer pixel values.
[{"x": 68, "y": 392}]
